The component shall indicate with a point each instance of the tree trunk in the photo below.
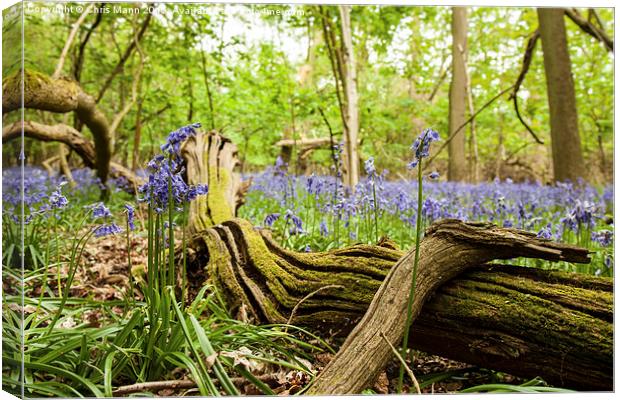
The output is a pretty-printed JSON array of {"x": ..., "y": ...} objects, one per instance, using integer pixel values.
[
  {"x": 519, "y": 320},
  {"x": 351, "y": 175},
  {"x": 457, "y": 164},
  {"x": 61, "y": 95},
  {"x": 568, "y": 161}
]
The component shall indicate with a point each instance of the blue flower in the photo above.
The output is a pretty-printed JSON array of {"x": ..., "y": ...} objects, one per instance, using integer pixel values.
[
  {"x": 130, "y": 216},
  {"x": 421, "y": 146},
  {"x": 270, "y": 219},
  {"x": 107, "y": 229},
  {"x": 545, "y": 233},
  {"x": 175, "y": 138},
  {"x": 603, "y": 237},
  {"x": 323, "y": 228},
  {"x": 297, "y": 222},
  {"x": 307, "y": 249},
  {"x": 369, "y": 166},
  {"x": 434, "y": 175},
  {"x": 99, "y": 210}
]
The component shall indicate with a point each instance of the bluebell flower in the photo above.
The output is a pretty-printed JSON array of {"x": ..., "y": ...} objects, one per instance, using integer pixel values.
[
  {"x": 175, "y": 138},
  {"x": 421, "y": 146},
  {"x": 545, "y": 233},
  {"x": 307, "y": 249},
  {"x": 603, "y": 237},
  {"x": 434, "y": 175},
  {"x": 130, "y": 216},
  {"x": 297, "y": 226},
  {"x": 369, "y": 167},
  {"x": 99, "y": 210},
  {"x": 270, "y": 219},
  {"x": 107, "y": 229},
  {"x": 323, "y": 228}
]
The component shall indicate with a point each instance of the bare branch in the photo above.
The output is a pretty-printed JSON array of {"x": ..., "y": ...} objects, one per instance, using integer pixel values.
[
  {"x": 70, "y": 39},
  {"x": 589, "y": 28}
]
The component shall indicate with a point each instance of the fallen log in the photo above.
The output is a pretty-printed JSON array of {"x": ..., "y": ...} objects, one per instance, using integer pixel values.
[
  {"x": 523, "y": 321},
  {"x": 75, "y": 140}
]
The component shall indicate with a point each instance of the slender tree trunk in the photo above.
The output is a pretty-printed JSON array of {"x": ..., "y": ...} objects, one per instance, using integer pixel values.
[
  {"x": 457, "y": 164},
  {"x": 352, "y": 111},
  {"x": 566, "y": 151}
]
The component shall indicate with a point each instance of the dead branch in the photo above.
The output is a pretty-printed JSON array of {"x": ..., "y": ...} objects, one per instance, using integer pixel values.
[
  {"x": 69, "y": 42},
  {"x": 589, "y": 28},
  {"x": 525, "y": 66}
]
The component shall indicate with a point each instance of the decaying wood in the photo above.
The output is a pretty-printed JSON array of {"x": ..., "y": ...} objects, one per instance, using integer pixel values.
[
  {"x": 519, "y": 320},
  {"x": 448, "y": 249},
  {"x": 60, "y": 95},
  {"x": 73, "y": 139},
  {"x": 212, "y": 159}
]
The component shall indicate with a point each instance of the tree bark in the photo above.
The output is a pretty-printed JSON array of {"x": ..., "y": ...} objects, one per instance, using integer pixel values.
[
  {"x": 351, "y": 173},
  {"x": 212, "y": 159},
  {"x": 73, "y": 139},
  {"x": 457, "y": 163},
  {"x": 566, "y": 150},
  {"x": 62, "y": 96},
  {"x": 518, "y": 320}
]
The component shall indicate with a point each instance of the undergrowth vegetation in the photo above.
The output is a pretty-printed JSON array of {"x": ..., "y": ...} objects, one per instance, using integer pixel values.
[{"x": 60, "y": 340}]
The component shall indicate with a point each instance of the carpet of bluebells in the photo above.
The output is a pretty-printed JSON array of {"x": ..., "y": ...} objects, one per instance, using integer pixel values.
[{"x": 314, "y": 213}]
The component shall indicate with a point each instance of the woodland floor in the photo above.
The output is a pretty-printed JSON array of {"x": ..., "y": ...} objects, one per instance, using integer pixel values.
[{"x": 104, "y": 277}]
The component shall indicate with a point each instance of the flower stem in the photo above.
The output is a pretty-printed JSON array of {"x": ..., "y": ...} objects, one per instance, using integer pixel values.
[{"x": 418, "y": 229}]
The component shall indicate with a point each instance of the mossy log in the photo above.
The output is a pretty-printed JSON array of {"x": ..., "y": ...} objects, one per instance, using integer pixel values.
[
  {"x": 524, "y": 321},
  {"x": 74, "y": 139},
  {"x": 60, "y": 95},
  {"x": 212, "y": 159}
]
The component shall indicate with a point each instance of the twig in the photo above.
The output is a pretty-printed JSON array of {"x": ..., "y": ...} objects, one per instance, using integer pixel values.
[
  {"x": 589, "y": 28},
  {"x": 453, "y": 134},
  {"x": 409, "y": 371},
  {"x": 290, "y": 318},
  {"x": 69, "y": 42},
  {"x": 525, "y": 66},
  {"x": 176, "y": 384}
]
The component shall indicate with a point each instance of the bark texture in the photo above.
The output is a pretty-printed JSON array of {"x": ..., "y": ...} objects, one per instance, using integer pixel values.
[
  {"x": 212, "y": 159},
  {"x": 457, "y": 164},
  {"x": 349, "y": 78},
  {"x": 520, "y": 320},
  {"x": 73, "y": 138},
  {"x": 566, "y": 151},
  {"x": 61, "y": 95}
]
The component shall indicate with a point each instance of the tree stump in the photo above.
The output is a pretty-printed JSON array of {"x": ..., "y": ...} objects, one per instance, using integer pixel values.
[
  {"x": 212, "y": 159},
  {"x": 519, "y": 320}
]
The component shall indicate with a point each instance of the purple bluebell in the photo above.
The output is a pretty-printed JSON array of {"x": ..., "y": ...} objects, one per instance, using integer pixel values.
[
  {"x": 130, "y": 216},
  {"x": 99, "y": 210},
  {"x": 323, "y": 229},
  {"x": 545, "y": 233},
  {"x": 603, "y": 237},
  {"x": 421, "y": 146},
  {"x": 270, "y": 219},
  {"x": 107, "y": 229}
]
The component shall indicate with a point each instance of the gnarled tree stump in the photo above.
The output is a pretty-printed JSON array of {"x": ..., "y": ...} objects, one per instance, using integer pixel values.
[
  {"x": 212, "y": 159},
  {"x": 519, "y": 320}
]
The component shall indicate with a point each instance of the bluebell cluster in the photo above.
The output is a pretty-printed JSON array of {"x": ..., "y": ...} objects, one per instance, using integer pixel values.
[
  {"x": 551, "y": 211},
  {"x": 165, "y": 175}
]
